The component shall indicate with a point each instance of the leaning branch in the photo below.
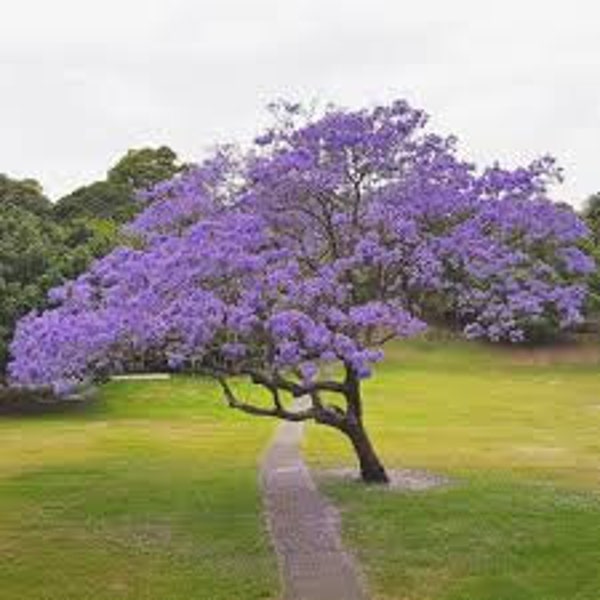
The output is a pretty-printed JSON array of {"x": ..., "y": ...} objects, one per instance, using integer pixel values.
[
  {"x": 277, "y": 381},
  {"x": 277, "y": 410}
]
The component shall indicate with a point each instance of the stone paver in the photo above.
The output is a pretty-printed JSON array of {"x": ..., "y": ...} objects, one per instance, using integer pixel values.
[{"x": 304, "y": 527}]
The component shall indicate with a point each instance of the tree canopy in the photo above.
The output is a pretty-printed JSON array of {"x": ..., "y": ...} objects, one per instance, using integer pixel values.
[
  {"x": 591, "y": 213},
  {"x": 99, "y": 200},
  {"x": 293, "y": 264},
  {"x": 26, "y": 194},
  {"x": 141, "y": 168},
  {"x": 114, "y": 198}
]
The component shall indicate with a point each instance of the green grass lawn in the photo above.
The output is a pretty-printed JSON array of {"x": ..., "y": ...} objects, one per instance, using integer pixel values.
[
  {"x": 150, "y": 495},
  {"x": 522, "y": 445}
]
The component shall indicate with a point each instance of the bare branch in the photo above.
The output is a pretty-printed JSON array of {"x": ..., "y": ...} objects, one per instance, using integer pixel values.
[
  {"x": 277, "y": 411},
  {"x": 296, "y": 389},
  {"x": 328, "y": 414}
]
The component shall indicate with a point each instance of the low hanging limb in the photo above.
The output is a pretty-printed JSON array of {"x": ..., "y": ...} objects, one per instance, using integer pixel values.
[
  {"x": 277, "y": 381},
  {"x": 348, "y": 421},
  {"x": 327, "y": 414},
  {"x": 278, "y": 409}
]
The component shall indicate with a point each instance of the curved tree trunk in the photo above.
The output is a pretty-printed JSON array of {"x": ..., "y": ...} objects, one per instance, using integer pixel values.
[
  {"x": 348, "y": 421},
  {"x": 371, "y": 467}
]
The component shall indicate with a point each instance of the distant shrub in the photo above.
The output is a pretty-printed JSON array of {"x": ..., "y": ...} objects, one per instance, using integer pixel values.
[{"x": 28, "y": 400}]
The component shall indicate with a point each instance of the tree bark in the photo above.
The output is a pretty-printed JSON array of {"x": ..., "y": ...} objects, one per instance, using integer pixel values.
[{"x": 371, "y": 467}]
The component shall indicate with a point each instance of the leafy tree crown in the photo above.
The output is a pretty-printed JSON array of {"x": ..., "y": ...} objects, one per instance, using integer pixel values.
[{"x": 327, "y": 238}]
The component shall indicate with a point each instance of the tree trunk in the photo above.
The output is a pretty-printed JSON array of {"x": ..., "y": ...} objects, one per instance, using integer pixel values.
[{"x": 371, "y": 468}]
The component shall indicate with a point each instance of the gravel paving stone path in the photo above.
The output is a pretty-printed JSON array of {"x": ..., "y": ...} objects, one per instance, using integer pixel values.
[{"x": 304, "y": 527}]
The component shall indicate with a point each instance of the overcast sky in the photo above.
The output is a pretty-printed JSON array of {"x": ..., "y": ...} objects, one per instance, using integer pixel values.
[{"x": 81, "y": 81}]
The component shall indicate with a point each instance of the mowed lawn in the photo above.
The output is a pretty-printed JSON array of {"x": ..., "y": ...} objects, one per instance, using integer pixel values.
[
  {"x": 522, "y": 446},
  {"x": 150, "y": 495}
]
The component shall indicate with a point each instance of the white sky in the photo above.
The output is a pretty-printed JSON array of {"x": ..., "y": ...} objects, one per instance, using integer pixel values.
[{"x": 81, "y": 81}]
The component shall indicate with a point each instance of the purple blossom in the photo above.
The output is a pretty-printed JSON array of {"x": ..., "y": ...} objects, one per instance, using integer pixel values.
[{"x": 317, "y": 245}]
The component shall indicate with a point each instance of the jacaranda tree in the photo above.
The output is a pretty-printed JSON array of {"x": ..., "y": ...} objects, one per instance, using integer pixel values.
[{"x": 292, "y": 264}]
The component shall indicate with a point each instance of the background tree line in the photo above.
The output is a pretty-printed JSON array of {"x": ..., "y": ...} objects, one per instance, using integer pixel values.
[{"x": 44, "y": 243}]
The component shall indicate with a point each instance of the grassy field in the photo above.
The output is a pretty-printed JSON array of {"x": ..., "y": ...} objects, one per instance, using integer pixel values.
[
  {"x": 152, "y": 495},
  {"x": 522, "y": 445}
]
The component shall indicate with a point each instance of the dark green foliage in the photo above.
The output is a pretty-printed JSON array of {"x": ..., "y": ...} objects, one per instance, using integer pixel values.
[
  {"x": 591, "y": 213},
  {"x": 26, "y": 194},
  {"x": 42, "y": 245},
  {"x": 142, "y": 168},
  {"x": 100, "y": 200},
  {"x": 114, "y": 198}
]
